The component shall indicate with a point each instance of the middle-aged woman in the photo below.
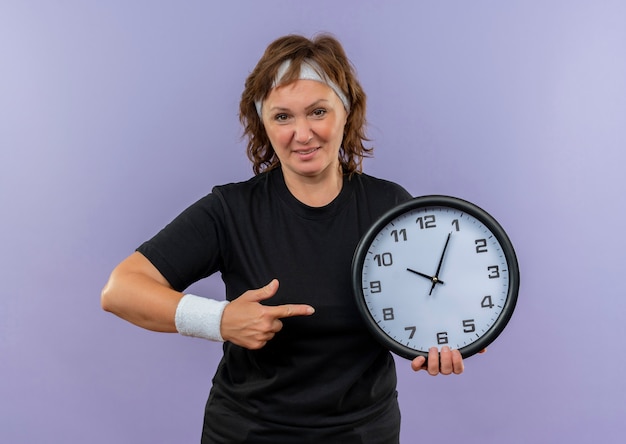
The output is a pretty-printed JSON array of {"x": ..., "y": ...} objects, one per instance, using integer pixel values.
[{"x": 299, "y": 364}]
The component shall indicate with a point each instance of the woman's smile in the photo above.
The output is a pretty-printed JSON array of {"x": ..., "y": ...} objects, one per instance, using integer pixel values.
[{"x": 306, "y": 153}]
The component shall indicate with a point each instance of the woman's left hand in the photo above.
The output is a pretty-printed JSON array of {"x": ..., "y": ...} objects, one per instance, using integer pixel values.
[{"x": 445, "y": 363}]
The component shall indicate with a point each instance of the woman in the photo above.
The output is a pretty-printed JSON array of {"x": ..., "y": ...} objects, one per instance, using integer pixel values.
[{"x": 298, "y": 364}]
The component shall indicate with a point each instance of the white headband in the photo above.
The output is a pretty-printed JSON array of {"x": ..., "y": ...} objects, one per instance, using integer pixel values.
[{"x": 309, "y": 70}]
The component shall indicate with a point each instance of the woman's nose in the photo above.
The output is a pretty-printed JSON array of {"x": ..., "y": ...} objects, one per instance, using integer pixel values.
[{"x": 302, "y": 132}]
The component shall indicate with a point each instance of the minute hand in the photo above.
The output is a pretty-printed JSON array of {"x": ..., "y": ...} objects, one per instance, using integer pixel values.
[{"x": 443, "y": 253}]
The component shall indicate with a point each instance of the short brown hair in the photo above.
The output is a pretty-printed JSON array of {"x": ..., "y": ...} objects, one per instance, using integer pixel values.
[{"x": 330, "y": 56}]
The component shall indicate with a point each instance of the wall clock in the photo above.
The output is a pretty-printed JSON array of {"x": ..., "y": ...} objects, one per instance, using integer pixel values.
[{"x": 435, "y": 271}]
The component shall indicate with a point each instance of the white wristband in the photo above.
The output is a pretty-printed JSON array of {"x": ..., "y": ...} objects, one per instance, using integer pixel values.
[{"x": 200, "y": 317}]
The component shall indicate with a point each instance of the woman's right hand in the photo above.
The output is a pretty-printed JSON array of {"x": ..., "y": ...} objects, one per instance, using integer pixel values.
[{"x": 248, "y": 323}]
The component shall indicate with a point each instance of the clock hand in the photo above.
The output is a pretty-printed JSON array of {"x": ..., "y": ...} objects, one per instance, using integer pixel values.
[
  {"x": 435, "y": 278},
  {"x": 430, "y": 278}
]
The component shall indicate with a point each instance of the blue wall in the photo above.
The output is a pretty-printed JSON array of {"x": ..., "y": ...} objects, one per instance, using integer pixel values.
[{"x": 116, "y": 115}]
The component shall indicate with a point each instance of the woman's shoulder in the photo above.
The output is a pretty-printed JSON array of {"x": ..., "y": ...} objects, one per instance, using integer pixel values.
[
  {"x": 242, "y": 189},
  {"x": 378, "y": 186}
]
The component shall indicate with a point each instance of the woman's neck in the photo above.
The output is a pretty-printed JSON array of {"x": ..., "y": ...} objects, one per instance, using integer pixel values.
[{"x": 315, "y": 191}]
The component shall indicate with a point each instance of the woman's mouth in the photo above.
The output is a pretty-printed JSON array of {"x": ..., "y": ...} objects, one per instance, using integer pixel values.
[{"x": 306, "y": 152}]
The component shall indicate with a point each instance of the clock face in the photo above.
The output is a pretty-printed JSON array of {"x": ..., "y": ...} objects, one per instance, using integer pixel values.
[{"x": 436, "y": 271}]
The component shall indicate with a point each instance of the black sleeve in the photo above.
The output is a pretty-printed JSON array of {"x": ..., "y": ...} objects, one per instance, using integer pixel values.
[
  {"x": 189, "y": 248},
  {"x": 383, "y": 194}
]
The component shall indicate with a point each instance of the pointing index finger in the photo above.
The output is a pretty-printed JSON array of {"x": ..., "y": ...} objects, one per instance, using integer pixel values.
[{"x": 291, "y": 310}]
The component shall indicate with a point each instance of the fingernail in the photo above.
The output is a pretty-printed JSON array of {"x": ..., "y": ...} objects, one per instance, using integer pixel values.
[{"x": 310, "y": 310}]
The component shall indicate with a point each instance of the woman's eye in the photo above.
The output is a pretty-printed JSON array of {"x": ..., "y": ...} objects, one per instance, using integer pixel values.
[
  {"x": 281, "y": 117},
  {"x": 320, "y": 112}
]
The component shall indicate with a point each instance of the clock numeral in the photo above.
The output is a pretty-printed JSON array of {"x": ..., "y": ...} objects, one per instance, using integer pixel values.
[
  {"x": 455, "y": 224},
  {"x": 399, "y": 235},
  {"x": 375, "y": 287},
  {"x": 384, "y": 259},
  {"x": 486, "y": 302},
  {"x": 494, "y": 272},
  {"x": 412, "y": 330},
  {"x": 426, "y": 221},
  {"x": 481, "y": 245},
  {"x": 442, "y": 338},
  {"x": 469, "y": 326},
  {"x": 388, "y": 314}
]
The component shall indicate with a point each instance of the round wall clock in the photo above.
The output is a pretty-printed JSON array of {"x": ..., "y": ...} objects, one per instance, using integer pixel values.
[{"x": 435, "y": 271}]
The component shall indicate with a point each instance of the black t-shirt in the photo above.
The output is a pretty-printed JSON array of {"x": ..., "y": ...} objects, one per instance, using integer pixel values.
[{"x": 323, "y": 370}]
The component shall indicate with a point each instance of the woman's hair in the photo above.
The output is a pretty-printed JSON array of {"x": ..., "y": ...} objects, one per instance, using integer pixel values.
[{"x": 330, "y": 56}]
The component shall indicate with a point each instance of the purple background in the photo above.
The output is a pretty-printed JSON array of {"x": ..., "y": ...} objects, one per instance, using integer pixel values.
[{"x": 116, "y": 115}]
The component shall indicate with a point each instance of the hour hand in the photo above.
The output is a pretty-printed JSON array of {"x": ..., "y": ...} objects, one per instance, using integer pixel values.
[{"x": 433, "y": 279}]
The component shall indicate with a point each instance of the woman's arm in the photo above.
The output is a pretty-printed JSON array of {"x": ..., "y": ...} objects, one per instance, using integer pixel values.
[{"x": 137, "y": 292}]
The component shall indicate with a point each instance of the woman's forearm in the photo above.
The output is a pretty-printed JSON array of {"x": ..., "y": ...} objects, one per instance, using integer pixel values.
[{"x": 138, "y": 293}]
